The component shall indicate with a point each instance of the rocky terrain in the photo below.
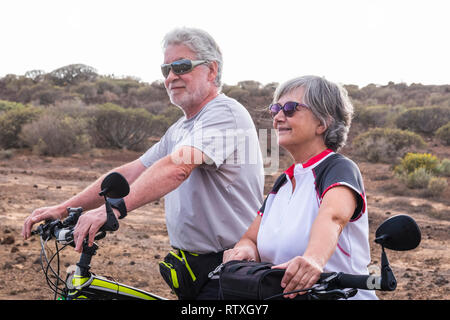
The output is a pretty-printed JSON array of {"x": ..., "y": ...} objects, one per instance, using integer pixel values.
[{"x": 131, "y": 254}]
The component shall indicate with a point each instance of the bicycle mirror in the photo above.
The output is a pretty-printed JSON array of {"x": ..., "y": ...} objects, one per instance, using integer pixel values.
[
  {"x": 398, "y": 233},
  {"x": 114, "y": 186}
]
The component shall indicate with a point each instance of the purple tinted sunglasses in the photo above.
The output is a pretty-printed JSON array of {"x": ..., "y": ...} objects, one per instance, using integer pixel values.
[{"x": 289, "y": 108}]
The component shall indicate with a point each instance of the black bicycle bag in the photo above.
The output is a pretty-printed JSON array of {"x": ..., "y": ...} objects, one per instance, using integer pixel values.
[{"x": 249, "y": 280}]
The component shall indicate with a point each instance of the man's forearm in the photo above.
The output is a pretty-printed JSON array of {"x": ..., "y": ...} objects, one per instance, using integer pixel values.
[
  {"x": 156, "y": 181},
  {"x": 89, "y": 199}
]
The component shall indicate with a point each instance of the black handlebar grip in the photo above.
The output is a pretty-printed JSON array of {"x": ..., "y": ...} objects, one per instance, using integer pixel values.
[
  {"x": 323, "y": 276},
  {"x": 343, "y": 280},
  {"x": 365, "y": 282}
]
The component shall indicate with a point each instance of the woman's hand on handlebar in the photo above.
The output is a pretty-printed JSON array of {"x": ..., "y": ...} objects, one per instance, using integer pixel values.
[
  {"x": 88, "y": 225},
  {"x": 301, "y": 273},
  {"x": 41, "y": 214},
  {"x": 246, "y": 248},
  {"x": 239, "y": 253}
]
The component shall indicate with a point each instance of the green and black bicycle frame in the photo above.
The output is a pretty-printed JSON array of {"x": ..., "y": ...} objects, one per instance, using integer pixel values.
[{"x": 82, "y": 284}]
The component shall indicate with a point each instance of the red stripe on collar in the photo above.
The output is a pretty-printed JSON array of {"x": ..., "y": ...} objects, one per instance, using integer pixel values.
[
  {"x": 317, "y": 158},
  {"x": 290, "y": 171}
]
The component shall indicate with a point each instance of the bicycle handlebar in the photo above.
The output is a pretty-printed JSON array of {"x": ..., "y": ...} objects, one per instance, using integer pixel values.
[
  {"x": 62, "y": 231},
  {"x": 337, "y": 285},
  {"x": 343, "y": 280}
]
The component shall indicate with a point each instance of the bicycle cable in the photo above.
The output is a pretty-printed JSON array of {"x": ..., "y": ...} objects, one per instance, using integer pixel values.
[
  {"x": 54, "y": 287},
  {"x": 286, "y": 293},
  {"x": 46, "y": 268},
  {"x": 57, "y": 263}
]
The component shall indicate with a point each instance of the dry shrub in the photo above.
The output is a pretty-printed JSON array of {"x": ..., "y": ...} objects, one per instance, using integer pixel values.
[
  {"x": 115, "y": 127},
  {"x": 436, "y": 186},
  {"x": 443, "y": 133},
  {"x": 423, "y": 119},
  {"x": 378, "y": 116},
  {"x": 418, "y": 179},
  {"x": 385, "y": 145},
  {"x": 443, "y": 168},
  {"x": 6, "y": 154},
  {"x": 56, "y": 135},
  {"x": 418, "y": 171},
  {"x": 11, "y": 123}
]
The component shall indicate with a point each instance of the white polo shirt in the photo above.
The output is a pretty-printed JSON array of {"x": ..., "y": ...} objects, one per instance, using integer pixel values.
[{"x": 287, "y": 217}]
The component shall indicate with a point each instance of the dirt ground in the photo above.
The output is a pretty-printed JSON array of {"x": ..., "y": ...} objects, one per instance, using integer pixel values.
[{"x": 131, "y": 254}]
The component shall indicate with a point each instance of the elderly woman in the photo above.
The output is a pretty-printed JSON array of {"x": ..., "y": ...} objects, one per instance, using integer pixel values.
[{"x": 315, "y": 217}]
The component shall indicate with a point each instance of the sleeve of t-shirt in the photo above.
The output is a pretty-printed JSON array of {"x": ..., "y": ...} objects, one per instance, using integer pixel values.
[
  {"x": 344, "y": 172},
  {"x": 213, "y": 133},
  {"x": 155, "y": 152}
]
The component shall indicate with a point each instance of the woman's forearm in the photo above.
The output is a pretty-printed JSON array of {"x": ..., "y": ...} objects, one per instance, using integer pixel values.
[
  {"x": 323, "y": 240},
  {"x": 338, "y": 205}
]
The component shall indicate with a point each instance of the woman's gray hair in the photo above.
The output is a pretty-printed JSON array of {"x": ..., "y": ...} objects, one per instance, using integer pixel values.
[
  {"x": 201, "y": 43},
  {"x": 328, "y": 101}
]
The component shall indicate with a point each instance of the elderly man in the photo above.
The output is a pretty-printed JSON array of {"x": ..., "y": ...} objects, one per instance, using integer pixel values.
[{"x": 211, "y": 177}]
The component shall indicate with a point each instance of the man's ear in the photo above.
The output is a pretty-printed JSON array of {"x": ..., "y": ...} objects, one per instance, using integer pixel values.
[{"x": 213, "y": 70}]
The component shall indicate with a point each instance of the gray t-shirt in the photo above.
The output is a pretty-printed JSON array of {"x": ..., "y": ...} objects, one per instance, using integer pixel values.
[{"x": 211, "y": 210}]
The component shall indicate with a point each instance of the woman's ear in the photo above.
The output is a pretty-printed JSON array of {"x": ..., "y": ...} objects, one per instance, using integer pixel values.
[{"x": 321, "y": 128}]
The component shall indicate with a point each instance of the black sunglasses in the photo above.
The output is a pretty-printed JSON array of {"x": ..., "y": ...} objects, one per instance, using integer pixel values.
[
  {"x": 289, "y": 108},
  {"x": 180, "y": 66}
]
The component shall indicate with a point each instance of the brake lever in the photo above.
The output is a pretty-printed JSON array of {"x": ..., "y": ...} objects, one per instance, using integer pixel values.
[
  {"x": 74, "y": 215},
  {"x": 333, "y": 294},
  {"x": 65, "y": 236},
  {"x": 47, "y": 229},
  {"x": 327, "y": 290},
  {"x": 100, "y": 235}
]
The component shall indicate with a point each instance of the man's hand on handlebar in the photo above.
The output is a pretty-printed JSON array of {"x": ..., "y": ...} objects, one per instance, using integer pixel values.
[
  {"x": 41, "y": 214},
  {"x": 88, "y": 225}
]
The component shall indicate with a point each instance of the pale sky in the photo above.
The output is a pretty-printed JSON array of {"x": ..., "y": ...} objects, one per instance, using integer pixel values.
[{"x": 347, "y": 41}]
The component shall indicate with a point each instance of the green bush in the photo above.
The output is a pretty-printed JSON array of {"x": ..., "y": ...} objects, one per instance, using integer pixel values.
[
  {"x": 423, "y": 119},
  {"x": 443, "y": 133},
  {"x": 56, "y": 135},
  {"x": 11, "y": 123},
  {"x": 117, "y": 127},
  {"x": 418, "y": 179},
  {"x": 377, "y": 116},
  {"x": 385, "y": 145},
  {"x": 418, "y": 171},
  {"x": 443, "y": 168},
  {"x": 9, "y": 105},
  {"x": 237, "y": 93},
  {"x": 436, "y": 186},
  {"x": 413, "y": 161},
  {"x": 6, "y": 154}
]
